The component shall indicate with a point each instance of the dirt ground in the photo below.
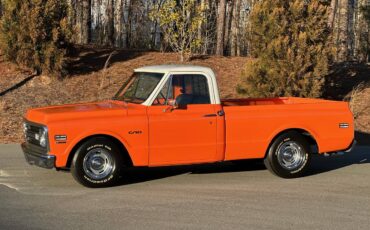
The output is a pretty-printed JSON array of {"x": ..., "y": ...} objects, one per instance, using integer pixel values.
[{"x": 89, "y": 80}]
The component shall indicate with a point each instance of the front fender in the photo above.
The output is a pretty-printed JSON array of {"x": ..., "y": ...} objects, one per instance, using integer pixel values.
[{"x": 62, "y": 155}]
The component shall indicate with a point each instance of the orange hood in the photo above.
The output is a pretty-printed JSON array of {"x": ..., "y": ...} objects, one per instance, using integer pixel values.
[{"x": 76, "y": 111}]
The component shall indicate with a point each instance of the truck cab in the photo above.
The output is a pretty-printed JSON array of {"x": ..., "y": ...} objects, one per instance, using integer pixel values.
[{"x": 173, "y": 115}]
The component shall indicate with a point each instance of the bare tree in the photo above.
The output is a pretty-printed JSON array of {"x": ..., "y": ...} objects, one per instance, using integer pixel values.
[
  {"x": 235, "y": 41},
  {"x": 228, "y": 21},
  {"x": 342, "y": 39},
  {"x": 1, "y": 8},
  {"x": 110, "y": 23},
  {"x": 86, "y": 22},
  {"x": 221, "y": 27},
  {"x": 80, "y": 13},
  {"x": 332, "y": 12}
]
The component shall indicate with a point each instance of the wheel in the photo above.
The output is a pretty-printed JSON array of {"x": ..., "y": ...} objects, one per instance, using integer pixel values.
[
  {"x": 97, "y": 163},
  {"x": 288, "y": 156}
]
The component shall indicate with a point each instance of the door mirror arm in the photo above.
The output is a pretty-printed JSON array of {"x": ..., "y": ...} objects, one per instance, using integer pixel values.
[{"x": 172, "y": 105}]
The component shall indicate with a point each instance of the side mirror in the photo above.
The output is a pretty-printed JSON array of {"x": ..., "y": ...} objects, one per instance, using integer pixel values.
[{"x": 173, "y": 104}]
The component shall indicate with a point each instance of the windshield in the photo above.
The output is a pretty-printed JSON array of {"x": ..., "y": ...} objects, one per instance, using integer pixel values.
[{"x": 138, "y": 87}]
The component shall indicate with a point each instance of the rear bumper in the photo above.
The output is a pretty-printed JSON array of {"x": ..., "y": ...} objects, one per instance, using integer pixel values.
[
  {"x": 350, "y": 148},
  {"x": 33, "y": 157}
]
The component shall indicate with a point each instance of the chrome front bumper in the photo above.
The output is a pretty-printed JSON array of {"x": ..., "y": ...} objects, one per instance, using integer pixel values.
[{"x": 35, "y": 157}]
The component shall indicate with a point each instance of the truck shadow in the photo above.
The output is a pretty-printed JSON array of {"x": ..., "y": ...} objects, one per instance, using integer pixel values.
[
  {"x": 321, "y": 164},
  {"x": 140, "y": 175}
]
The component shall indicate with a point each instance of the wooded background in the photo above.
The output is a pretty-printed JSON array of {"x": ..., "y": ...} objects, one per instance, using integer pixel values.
[{"x": 126, "y": 24}]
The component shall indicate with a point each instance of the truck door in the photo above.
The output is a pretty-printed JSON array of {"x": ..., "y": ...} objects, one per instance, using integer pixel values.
[{"x": 187, "y": 132}]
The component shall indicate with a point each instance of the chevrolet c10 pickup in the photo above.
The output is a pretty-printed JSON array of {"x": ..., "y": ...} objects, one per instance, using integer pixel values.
[{"x": 173, "y": 115}]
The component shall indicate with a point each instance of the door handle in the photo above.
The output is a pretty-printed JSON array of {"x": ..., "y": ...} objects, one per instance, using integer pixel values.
[{"x": 210, "y": 115}]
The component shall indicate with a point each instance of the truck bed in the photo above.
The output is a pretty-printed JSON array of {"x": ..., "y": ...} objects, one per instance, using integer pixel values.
[
  {"x": 251, "y": 124},
  {"x": 270, "y": 101}
]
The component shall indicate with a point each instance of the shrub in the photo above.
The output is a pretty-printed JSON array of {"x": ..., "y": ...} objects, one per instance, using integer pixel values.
[
  {"x": 36, "y": 34},
  {"x": 291, "y": 49}
]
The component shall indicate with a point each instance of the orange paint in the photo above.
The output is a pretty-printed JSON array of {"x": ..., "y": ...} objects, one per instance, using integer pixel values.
[
  {"x": 186, "y": 136},
  {"x": 197, "y": 133}
]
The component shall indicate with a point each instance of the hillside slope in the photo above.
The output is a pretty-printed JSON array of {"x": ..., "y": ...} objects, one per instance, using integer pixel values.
[
  {"x": 87, "y": 75},
  {"x": 89, "y": 80}
]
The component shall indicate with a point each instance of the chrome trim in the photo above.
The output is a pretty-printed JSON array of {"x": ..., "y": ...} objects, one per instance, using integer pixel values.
[
  {"x": 343, "y": 125},
  {"x": 290, "y": 155},
  {"x": 60, "y": 138},
  {"x": 98, "y": 164},
  {"x": 34, "y": 157}
]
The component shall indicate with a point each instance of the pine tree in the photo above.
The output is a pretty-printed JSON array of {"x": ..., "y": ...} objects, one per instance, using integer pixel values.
[
  {"x": 35, "y": 34},
  {"x": 291, "y": 46}
]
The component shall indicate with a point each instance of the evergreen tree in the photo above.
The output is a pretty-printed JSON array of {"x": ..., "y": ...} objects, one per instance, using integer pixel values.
[
  {"x": 291, "y": 49},
  {"x": 35, "y": 34}
]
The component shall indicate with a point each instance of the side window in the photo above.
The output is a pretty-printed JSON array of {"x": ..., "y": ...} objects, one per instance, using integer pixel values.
[{"x": 185, "y": 89}]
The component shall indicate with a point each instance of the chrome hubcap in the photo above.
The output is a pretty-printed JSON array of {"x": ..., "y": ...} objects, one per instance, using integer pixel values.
[
  {"x": 98, "y": 164},
  {"x": 290, "y": 155}
]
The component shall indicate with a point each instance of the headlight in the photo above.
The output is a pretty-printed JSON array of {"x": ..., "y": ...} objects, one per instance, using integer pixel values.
[
  {"x": 36, "y": 134},
  {"x": 43, "y": 137}
]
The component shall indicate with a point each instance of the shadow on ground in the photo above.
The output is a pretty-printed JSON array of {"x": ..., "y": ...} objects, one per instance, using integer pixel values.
[
  {"x": 139, "y": 175},
  {"x": 86, "y": 60},
  {"x": 320, "y": 164},
  {"x": 344, "y": 78},
  {"x": 18, "y": 85},
  {"x": 362, "y": 138}
]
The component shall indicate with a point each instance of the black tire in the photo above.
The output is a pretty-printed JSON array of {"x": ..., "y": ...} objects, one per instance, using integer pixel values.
[
  {"x": 97, "y": 163},
  {"x": 288, "y": 156}
]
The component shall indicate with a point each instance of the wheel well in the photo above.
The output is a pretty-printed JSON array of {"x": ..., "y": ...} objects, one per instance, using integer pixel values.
[
  {"x": 314, "y": 148},
  {"x": 123, "y": 149}
]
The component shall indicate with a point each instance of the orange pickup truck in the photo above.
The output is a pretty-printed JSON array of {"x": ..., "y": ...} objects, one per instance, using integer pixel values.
[{"x": 173, "y": 115}]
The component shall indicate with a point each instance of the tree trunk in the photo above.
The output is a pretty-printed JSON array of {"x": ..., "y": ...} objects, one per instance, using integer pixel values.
[
  {"x": 86, "y": 22},
  {"x": 118, "y": 22},
  {"x": 110, "y": 23},
  {"x": 235, "y": 46},
  {"x": 342, "y": 38},
  {"x": 221, "y": 28},
  {"x": 128, "y": 23},
  {"x": 1, "y": 8},
  {"x": 228, "y": 21},
  {"x": 332, "y": 12}
]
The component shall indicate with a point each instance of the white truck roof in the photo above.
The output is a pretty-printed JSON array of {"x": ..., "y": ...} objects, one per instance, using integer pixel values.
[{"x": 175, "y": 68}]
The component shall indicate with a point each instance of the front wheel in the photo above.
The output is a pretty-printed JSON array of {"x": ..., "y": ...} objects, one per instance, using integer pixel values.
[
  {"x": 288, "y": 156},
  {"x": 97, "y": 163}
]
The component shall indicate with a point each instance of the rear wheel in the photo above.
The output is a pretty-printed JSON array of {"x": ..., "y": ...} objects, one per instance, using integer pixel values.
[
  {"x": 97, "y": 163},
  {"x": 288, "y": 156}
]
